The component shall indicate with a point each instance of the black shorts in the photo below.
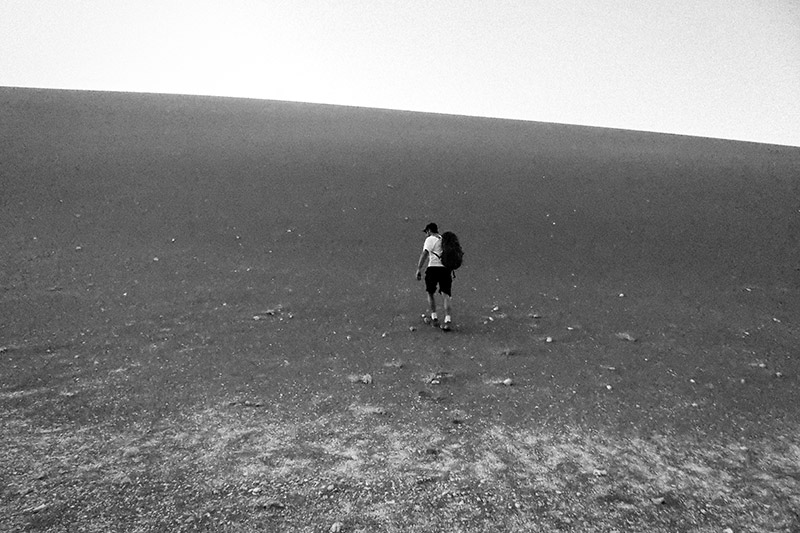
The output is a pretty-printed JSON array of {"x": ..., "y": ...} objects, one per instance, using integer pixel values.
[{"x": 438, "y": 276}]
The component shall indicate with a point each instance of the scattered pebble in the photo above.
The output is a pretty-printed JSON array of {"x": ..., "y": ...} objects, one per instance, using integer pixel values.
[
  {"x": 625, "y": 336},
  {"x": 276, "y": 505},
  {"x": 366, "y": 379},
  {"x": 439, "y": 377}
]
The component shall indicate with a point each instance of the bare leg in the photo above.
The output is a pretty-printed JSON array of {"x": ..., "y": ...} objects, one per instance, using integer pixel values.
[
  {"x": 431, "y": 302},
  {"x": 446, "y": 302}
]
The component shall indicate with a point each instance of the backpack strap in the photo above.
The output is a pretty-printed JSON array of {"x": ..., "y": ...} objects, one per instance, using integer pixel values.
[{"x": 434, "y": 253}]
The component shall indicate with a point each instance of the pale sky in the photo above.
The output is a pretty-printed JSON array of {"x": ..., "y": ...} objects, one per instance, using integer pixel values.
[{"x": 714, "y": 68}]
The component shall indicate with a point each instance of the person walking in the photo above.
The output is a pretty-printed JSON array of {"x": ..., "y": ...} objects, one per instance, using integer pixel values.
[{"x": 436, "y": 275}]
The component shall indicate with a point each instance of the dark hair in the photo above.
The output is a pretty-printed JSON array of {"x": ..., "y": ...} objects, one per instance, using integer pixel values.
[{"x": 432, "y": 227}]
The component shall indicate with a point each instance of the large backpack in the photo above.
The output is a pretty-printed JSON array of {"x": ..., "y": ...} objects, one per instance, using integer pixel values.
[{"x": 452, "y": 254}]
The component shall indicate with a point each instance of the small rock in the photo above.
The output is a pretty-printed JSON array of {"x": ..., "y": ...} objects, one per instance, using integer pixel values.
[
  {"x": 625, "y": 336},
  {"x": 549, "y": 339},
  {"x": 130, "y": 451},
  {"x": 412, "y": 328},
  {"x": 38, "y": 509},
  {"x": 778, "y": 374},
  {"x": 274, "y": 505},
  {"x": 599, "y": 472},
  {"x": 366, "y": 379},
  {"x": 507, "y": 382},
  {"x": 337, "y": 527}
]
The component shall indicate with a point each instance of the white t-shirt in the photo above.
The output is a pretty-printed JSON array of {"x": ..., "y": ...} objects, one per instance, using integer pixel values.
[{"x": 433, "y": 245}]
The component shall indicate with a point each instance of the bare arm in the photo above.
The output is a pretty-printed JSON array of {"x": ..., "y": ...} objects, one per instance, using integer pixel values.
[{"x": 423, "y": 258}]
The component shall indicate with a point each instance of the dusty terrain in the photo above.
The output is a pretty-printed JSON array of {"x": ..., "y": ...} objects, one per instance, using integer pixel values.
[{"x": 209, "y": 322}]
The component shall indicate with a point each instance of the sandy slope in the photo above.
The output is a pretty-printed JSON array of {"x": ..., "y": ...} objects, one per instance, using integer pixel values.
[
  {"x": 121, "y": 206},
  {"x": 200, "y": 251}
]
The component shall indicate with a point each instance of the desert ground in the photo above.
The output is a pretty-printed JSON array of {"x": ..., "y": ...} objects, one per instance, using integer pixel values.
[{"x": 209, "y": 321}]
